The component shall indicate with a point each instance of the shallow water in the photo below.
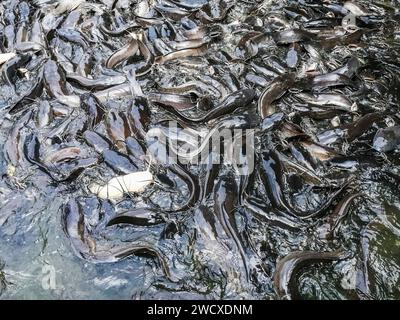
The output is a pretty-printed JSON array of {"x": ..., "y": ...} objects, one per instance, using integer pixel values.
[{"x": 38, "y": 260}]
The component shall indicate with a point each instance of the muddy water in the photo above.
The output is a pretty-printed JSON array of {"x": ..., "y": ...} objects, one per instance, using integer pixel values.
[{"x": 255, "y": 45}]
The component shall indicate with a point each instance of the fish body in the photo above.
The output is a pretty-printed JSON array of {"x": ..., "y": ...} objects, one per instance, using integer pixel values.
[
  {"x": 276, "y": 89},
  {"x": 387, "y": 139},
  {"x": 4, "y": 57},
  {"x": 117, "y": 187},
  {"x": 287, "y": 268}
]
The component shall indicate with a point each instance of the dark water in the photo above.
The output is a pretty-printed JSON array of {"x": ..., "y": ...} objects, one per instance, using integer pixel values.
[{"x": 245, "y": 46}]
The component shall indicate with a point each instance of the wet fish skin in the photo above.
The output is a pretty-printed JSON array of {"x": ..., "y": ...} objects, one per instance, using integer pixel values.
[
  {"x": 73, "y": 36},
  {"x": 208, "y": 223},
  {"x": 292, "y": 57},
  {"x": 75, "y": 228},
  {"x": 328, "y": 99},
  {"x": 179, "y": 102},
  {"x": 28, "y": 98},
  {"x": 61, "y": 155},
  {"x": 87, "y": 248},
  {"x": 24, "y": 12},
  {"x": 9, "y": 68},
  {"x": 347, "y": 39},
  {"x": 271, "y": 173},
  {"x": 340, "y": 212},
  {"x": 119, "y": 163},
  {"x": 325, "y": 22},
  {"x": 54, "y": 79},
  {"x": 245, "y": 121},
  {"x": 143, "y": 67},
  {"x": 72, "y": 20},
  {"x": 210, "y": 13},
  {"x": 187, "y": 4},
  {"x": 97, "y": 141},
  {"x": 114, "y": 92},
  {"x": 209, "y": 179},
  {"x": 293, "y": 36},
  {"x": 355, "y": 8},
  {"x": 303, "y": 156},
  {"x": 12, "y": 146},
  {"x": 225, "y": 205},
  {"x": 193, "y": 52},
  {"x": 350, "y": 131},
  {"x": 276, "y": 89},
  {"x": 192, "y": 181},
  {"x": 44, "y": 114},
  {"x": 361, "y": 125},
  {"x": 235, "y": 100},
  {"x": 96, "y": 84},
  {"x": 173, "y": 13},
  {"x": 328, "y": 80},
  {"x": 188, "y": 44},
  {"x": 240, "y": 98},
  {"x": 71, "y": 170},
  {"x": 272, "y": 121},
  {"x": 310, "y": 176},
  {"x": 165, "y": 180},
  {"x": 350, "y": 69},
  {"x": 136, "y": 216},
  {"x": 139, "y": 117},
  {"x": 202, "y": 31},
  {"x": 290, "y": 130},
  {"x": 95, "y": 110},
  {"x": 123, "y": 54},
  {"x": 32, "y": 152},
  {"x": 319, "y": 152},
  {"x": 118, "y": 128},
  {"x": 122, "y": 30},
  {"x": 266, "y": 214},
  {"x": 135, "y": 149},
  {"x": 9, "y": 34},
  {"x": 287, "y": 268},
  {"x": 387, "y": 139}
]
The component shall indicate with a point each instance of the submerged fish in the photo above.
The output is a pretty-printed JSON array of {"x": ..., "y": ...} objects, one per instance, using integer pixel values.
[
  {"x": 287, "y": 268},
  {"x": 225, "y": 200},
  {"x": 387, "y": 139},
  {"x": 240, "y": 98},
  {"x": 271, "y": 174},
  {"x": 87, "y": 247}
]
